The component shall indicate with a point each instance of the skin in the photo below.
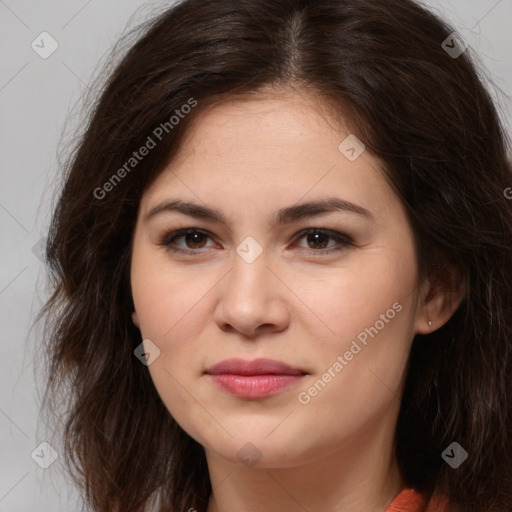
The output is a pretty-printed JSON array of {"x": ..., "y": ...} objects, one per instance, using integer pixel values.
[{"x": 249, "y": 158}]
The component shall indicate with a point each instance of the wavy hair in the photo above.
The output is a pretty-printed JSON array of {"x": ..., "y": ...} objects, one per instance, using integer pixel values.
[{"x": 428, "y": 116}]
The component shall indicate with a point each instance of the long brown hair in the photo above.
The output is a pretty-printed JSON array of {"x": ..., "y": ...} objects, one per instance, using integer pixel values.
[{"x": 424, "y": 112}]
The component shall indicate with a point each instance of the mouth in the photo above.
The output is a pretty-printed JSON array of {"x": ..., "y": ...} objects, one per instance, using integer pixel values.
[{"x": 258, "y": 378}]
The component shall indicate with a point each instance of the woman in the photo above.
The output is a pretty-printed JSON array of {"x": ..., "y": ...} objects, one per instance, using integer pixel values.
[{"x": 282, "y": 268}]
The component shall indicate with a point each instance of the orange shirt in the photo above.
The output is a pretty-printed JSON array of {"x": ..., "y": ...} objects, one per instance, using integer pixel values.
[{"x": 411, "y": 501}]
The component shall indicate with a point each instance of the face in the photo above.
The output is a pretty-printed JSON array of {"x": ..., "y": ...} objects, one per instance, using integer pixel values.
[{"x": 327, "y": 290}]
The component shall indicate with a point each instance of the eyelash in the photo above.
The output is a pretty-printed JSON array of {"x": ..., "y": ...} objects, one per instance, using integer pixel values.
[{"x": 343, "y": 240}]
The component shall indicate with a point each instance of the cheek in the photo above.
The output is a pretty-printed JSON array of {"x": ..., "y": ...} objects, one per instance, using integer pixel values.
[
  {"x": 350, "y": 299},
  {"x": 369, "y": 313},
  {"x": 169, "y": 308},
  {"x": 174, "y": 322},
  {"x": 165, "y": 296}
]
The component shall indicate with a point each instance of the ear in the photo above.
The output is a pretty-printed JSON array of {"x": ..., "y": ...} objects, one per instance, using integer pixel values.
[
  {"x": 441, "y": 295},
  {"x": 135, "y": 319}
]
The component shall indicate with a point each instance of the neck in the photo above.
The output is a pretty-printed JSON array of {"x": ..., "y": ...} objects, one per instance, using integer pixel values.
[{"x": 361, "y": 476}]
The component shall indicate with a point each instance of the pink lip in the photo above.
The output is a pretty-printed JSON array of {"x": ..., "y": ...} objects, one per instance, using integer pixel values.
[{"x": 258, "y": 378}]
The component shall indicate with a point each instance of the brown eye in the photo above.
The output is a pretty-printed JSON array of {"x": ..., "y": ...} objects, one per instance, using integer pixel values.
[
  {"x": 318, "y": 240},
  {"x": 194, "y": 239}
]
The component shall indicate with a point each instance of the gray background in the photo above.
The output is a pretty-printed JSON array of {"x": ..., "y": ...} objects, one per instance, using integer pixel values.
[{"x": 36, "y": 97}]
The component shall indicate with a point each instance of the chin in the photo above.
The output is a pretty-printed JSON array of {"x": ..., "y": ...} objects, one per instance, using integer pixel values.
[{"x": 260, "y": 450}]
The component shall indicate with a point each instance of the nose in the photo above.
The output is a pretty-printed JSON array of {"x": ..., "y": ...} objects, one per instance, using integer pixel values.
[{"x": 252, "y": 299}]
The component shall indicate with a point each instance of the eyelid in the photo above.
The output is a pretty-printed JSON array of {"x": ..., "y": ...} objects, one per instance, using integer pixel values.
[{"x": 341, "y": 237}]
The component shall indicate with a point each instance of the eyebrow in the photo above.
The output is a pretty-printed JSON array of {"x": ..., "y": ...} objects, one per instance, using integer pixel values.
[{"x": 283, "y": 216}]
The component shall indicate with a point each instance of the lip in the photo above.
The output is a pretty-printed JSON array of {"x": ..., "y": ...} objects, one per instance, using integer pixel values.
[
  {"x": 255, "y": 367},
  {"x": 258, "y": 378}
]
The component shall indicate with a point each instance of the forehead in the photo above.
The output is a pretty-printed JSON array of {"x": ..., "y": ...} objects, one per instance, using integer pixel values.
[
  {"x": 273, "y": 150},
  {"x": 277, "y": 120},
  {"x": 280, "y": 131}
]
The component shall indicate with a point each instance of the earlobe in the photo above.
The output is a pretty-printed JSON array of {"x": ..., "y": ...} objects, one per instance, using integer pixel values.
[
  {"x": 135, "y": 319},
  {"x": 445, "y": 293}
]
